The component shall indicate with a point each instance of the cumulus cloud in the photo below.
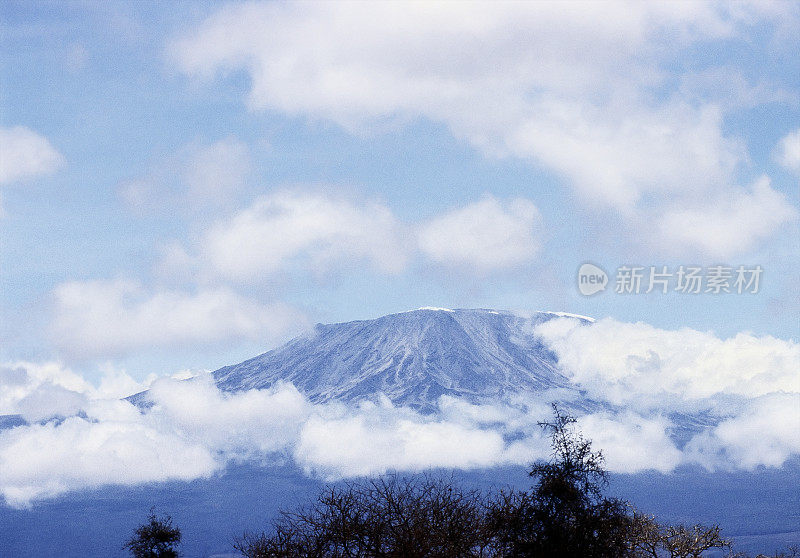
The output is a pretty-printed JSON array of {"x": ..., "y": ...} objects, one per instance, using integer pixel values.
[
  {"x": 583, "y": 89},
  {"x": 240, "y": 425},
  {"x": 112, "y": 317},
  {"x": 217, "y": 171},
  {"x": 191, "y": 430},
  {"x": 615, "y": 156},
  {"x": 731, "y": 90},
  {"x": 638, "y": 365},
  {"x": 49, "y": 400},
  {"x": 788, "y": 151},
  {"x": 43, "y": 460},
  {"x": 26, "y": 154},
  {"x": 198, "y": 176},
  {"x": 419, "y": 58},
  {"x": 731, "y": 226},
  {"x": 42, "y": 390},
  {"x": 657, "y": 399},
  {"x": 278, "y": 234},
  {"x": 763, "y": 433},
  {"x": 485, "y": 235},
  {"x": 312, "y": 229},
  {"x": 338, "y": 442},
  {"x": 746, "y": 386},
  {"x": 631, "y": 442},
  {"x": 295, "y": 229}
]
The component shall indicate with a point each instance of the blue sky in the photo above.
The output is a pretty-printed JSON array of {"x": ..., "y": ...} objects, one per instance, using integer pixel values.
[{"x": 185, "y": 185}]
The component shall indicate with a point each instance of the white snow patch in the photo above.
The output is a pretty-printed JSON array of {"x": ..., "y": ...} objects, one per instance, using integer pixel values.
[{"x": 568, "y": 315}]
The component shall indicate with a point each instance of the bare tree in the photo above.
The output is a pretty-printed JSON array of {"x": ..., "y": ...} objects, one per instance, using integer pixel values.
[
  {"x": 388, "y": 517},
  {"x": 564, "y": 514},
  {"x": 691, "y": 542},
  {"x": 648, "y": 539},
  {"x": 644, "y": 537}
]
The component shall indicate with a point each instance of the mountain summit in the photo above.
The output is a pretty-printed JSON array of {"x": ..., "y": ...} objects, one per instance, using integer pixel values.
[{"x": 411, "y": 357}]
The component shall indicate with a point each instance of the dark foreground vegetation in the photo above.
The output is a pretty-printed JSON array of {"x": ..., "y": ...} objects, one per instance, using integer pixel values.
[
  {"x": 158, "y": 538},
  {"x": 564, "y": 514}
]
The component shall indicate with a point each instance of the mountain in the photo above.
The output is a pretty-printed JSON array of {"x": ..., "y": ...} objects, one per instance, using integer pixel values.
[{"x": 412, "y": 357}]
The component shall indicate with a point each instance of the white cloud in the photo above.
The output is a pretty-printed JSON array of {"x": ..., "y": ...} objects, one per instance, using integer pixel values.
[
  {"x": 308, "y": 59},
  {"x": 42, "y": 390},
  {"x": 49, "y": 400},
  {"x": 376, "y": 438},
  {"x": 729, "y": 88},
  {"x": 193, "y": 430},
  {"x": 19, "y": 379},
  {"x": 218, "y": 171},
  {"x": 175, "y": 264},
  {"x": 107, "y": 444},
  {"x": 112, "y": 317},
  {"x": 281, "y": 233},
  {"x": 76, "y": 57},
  {"x": 583, "y": 89},
  {"x": 485, "y": 235},
  {"x": 650, "y": 381},
  {"x": 295, "y": 229},
  {"x": 644, "y": 367},
  {"x": 240, "y": 425},
  {"x": 44, "y": 460},
  {"x": 731, "y": 226},
  {"x": 763, "y": 433},
  {"x": 788, "y": 151},
  {"x": 615, "y": 155},
  {"x": 749, "y": 383},
  {"x": 141, "y": 195},
  {"x": 313, "y": 230},
  {"x": 631, "y": 443},
  {"x": 25, "y": 154},
  {"x": 197, "y": 176}
]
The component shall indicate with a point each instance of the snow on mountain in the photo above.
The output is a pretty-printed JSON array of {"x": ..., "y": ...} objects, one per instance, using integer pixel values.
[
  {"x": 569, "y": 315},
  {"x": 412, "y": 357}
]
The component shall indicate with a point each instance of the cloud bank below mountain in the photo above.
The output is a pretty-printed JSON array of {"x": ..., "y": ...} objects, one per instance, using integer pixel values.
[{"x": 80, "y": 436}]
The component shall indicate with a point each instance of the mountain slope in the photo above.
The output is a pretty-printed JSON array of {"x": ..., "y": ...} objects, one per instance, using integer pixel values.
[{"x": 412, "y": 357}]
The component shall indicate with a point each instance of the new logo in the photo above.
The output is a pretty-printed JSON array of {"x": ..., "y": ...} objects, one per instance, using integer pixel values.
[{"x": 591, "y": 279}]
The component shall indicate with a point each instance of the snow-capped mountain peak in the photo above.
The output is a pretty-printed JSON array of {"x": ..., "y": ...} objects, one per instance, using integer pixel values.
[{"x": 412, "y": 357}]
